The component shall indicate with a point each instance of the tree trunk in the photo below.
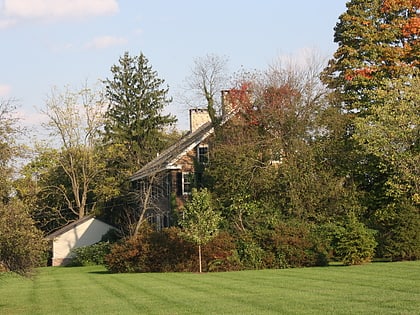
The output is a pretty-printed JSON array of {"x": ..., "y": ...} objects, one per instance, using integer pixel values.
[{"x": 199, "y": 257}]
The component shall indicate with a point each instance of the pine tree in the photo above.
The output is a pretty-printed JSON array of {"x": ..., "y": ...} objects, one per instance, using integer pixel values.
[{"x": 134, "y": 119}]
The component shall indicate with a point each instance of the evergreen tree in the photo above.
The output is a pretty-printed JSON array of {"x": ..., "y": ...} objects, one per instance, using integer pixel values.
[
  {"x": 135, "y": 131},
  {"x": 134, "y": 120}
]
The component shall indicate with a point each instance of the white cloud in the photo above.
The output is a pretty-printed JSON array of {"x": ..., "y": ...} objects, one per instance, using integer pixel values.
[
  {"x": 102, "y": 42},
  {"x": 6, "y": 23},
  {"x": 28, "y": 9},
  {"x": 5, "y": 90}
]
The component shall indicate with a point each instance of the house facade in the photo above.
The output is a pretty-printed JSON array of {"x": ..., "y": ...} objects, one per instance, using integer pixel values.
[{"x": 165, "y": 182}]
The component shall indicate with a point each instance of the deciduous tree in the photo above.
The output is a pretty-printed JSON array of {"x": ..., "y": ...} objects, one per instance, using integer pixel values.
[
  {"x": 208, "y": 78},
  {"x": 22, "y": 246},
  {"x": 376, "y": 40},
  {"x": 74, "y": 120},
  {"x": 199, "y": 222}
]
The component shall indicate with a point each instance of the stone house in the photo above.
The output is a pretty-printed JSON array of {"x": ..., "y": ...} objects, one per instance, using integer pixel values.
[{"x": 166, "y": 181}]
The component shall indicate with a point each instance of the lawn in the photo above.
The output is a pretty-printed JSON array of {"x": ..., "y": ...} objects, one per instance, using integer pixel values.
[{"x": 378, "y": 288}]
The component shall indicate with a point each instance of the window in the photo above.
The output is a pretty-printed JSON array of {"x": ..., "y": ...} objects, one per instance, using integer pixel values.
[
  {"x": 203, "y": 153},
  {"x": 184, "y": 183},
  {"x": 187, "y": 179}
]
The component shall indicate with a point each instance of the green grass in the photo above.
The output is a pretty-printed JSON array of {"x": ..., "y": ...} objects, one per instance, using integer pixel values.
[{"x": 379, "y": 288}]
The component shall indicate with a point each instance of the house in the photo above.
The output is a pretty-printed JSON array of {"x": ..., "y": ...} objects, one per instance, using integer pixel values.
[
  {"x": 167, "y": 180},
  {"x": 86, "y": 231}
]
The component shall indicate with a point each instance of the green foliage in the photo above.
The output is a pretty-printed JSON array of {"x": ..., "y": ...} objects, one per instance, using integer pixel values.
[
  {"x": 9, "y": 147},
  {"x": 134, "y": 119},
  {"x": 373, "y": 44},
  {"x": 391, "y": 132},
  {"x": 251, "y": 254},
  {"x": 135, "y": 131},
  {"x": 398, "y": 231},
  {"x": 91, "y": 255},
  {"x": 22, "y": 246},
  {"x": 199, "y": 221},
  {"x": 354, "y": 244}
]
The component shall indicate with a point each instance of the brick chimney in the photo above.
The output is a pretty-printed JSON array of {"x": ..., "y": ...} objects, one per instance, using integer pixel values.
[{"x": 198, "y": 117}]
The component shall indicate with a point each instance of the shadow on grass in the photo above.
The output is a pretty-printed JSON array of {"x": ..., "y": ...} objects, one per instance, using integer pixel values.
[{"x": 101, "y": 272}]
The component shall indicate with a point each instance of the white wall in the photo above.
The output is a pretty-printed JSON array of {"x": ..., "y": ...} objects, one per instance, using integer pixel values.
[{"x": 84, "y": 234}]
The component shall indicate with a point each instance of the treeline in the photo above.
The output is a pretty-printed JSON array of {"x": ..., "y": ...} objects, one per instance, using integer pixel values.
[{"x": 319, "y": 164}]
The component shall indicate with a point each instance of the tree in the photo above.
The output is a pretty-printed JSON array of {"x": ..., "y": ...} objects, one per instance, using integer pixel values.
[
  {"x": 376, "y": 39},
  {"x": 9, "y": 148},
  {"x": 135, "y": 131},
  {"x": 354, "y": 244},
  {"x": 373, "y": 76},
  {"x": 199, "y": 222},
  {"x": 392, "y": 133},
  {"x": 134, "y": 120},
  {"x": 207, "y": 79},
  {"x": 74, "y": 121},
  {"x": 22, "y": 245}
]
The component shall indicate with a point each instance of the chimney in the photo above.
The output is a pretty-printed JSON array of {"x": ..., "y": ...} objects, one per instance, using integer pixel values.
[
  {"x": 227, "y": 105},
  {"x": 198, "y": 117}
]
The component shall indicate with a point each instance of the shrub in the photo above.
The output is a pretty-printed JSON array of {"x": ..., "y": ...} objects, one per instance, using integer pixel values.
[
  {"x": 251, "y": 255},
  {"x": 91, "y": 255},
  {"x": 294, "y": 244},
  {"x": 220, "y": 254},
  {"x": 354, "y": 244},
  {"x": 170, "y": 252},
  {"x": 129, "y": 255},
  {"x": 399, "y": 233},
  {"x": 22, "y": 246},
  {"x": 167, "y": 251}
]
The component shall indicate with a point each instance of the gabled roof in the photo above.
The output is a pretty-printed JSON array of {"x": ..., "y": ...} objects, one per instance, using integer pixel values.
[
  {"x": 68, "y": 227},
  {"x": 72, "y": 225},
  {"x": 168, "y": 158}
]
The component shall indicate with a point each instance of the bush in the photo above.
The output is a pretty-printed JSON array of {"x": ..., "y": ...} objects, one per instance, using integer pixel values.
[
  {"x": 167, "y": 251},
  {"x": 354, "y": 244},
  {"x": 171, "y": 253},
  {"x": 129, "y": 255},
  {"x": 220, "y": 254},
  {"x": 22, "y": 245},
  {"x": 294, "y": 244},
  {"x": 399, "y": 233},
  {"x": 251, "y": 254},
  {"x": 91, "y": 255}
]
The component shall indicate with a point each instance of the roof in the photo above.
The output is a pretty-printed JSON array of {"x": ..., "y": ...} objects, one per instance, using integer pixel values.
[
  {"x": 169, "y": 157},
  {"x": 70, "y": 226}
]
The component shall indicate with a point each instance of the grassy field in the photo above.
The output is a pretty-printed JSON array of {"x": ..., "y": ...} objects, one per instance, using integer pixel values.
[{"x": 379, "y": 288}]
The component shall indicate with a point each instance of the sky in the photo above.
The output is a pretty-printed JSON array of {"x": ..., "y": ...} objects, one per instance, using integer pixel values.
[{"x": 58, "y": 43}]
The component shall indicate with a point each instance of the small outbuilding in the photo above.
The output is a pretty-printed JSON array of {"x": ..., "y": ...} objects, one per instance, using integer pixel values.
[{"x": 84, "y": 232}]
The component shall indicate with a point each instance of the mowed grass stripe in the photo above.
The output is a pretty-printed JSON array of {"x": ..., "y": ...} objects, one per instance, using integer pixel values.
[
  {"x": 208, "y": 290},
  {"x": 379, "y": 288}
]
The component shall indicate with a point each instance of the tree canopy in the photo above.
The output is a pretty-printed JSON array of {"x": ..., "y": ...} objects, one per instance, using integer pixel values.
[{"x": 134, "y": 118}]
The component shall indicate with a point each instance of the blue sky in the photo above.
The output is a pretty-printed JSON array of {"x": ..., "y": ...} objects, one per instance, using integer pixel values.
[{"x": 46, "y": 43}]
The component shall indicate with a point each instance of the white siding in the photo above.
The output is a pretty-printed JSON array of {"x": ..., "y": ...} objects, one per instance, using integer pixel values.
[{"x": 84, "y": 234}]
